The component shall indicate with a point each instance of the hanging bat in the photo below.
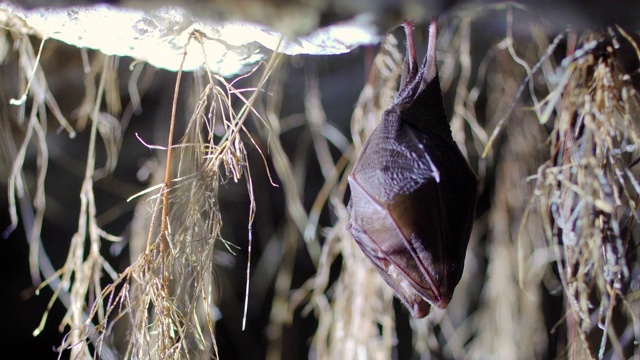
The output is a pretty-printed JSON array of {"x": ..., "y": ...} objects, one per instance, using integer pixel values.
[{"x": 413, "y": 194}]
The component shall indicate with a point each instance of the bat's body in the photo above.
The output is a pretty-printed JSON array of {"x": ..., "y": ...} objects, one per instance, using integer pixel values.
[{"x": 413, "y": 193}]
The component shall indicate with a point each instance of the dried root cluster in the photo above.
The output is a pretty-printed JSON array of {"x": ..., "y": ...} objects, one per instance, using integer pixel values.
[{"x": 589, "y": 191}]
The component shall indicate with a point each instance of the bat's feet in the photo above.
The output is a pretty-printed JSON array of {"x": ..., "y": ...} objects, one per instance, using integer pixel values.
[
  {"x": 430, "y": 60},
  {"x": 411, "y": 50}
]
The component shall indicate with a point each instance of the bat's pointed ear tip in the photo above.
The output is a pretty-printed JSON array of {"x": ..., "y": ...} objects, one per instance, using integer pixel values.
[
  {"x": 443, "y": 304},
  {"x": 420, "y": 309}
]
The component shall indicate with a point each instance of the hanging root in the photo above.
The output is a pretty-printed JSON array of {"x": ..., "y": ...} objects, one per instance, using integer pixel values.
[{"x": 588, "y": 190}]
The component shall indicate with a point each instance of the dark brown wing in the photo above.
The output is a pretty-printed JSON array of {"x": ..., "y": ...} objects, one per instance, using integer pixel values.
[{"x": 394, "y": 189}]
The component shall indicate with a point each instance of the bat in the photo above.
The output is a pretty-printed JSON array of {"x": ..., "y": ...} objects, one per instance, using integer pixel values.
[{"x": 413, "y": 194}]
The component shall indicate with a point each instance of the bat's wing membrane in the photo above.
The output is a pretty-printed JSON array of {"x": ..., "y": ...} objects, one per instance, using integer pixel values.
[{"x": 396, "y": 214}]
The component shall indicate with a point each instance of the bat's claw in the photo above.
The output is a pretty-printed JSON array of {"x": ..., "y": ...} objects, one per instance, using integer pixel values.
[
  {"x": 411, "y": 50},
  {"x": 430, "y": 65},
  {"x": 410, "y": 67}
]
